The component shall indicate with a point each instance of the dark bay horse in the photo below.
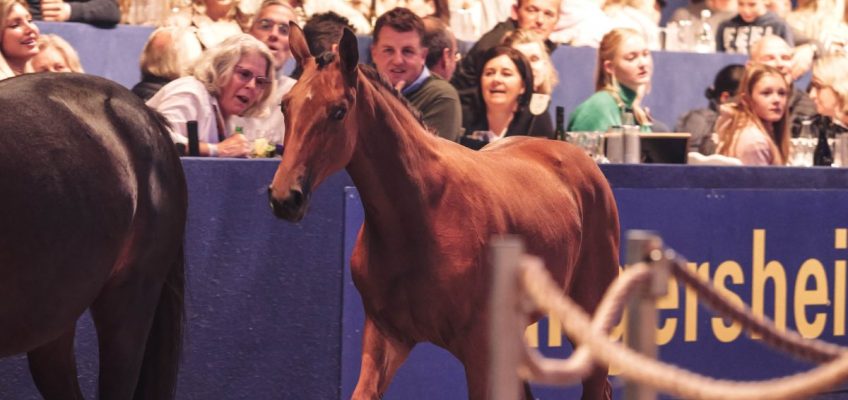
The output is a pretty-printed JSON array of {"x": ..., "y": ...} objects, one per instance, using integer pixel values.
[
  {"x": 92, "y": 216},
  {"x": 431, "y": 206}
]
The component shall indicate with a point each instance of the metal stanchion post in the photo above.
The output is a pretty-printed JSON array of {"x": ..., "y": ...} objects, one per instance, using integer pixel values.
[
  {"x": 644, "y": 246},
  {"x": 505, "y": 330}
]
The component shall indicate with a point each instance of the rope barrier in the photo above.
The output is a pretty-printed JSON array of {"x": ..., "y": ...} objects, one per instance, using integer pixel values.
[{"x": 593, "y": 346}]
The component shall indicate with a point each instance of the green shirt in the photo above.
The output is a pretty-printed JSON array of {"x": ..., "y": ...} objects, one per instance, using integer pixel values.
[{"x": 600, "y": 111}]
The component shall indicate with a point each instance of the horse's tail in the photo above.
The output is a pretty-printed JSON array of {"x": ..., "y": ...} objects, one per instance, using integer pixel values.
[{"x": 158, "y": 378}]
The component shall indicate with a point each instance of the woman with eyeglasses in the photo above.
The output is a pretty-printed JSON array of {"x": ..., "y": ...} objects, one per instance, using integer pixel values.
[
  {"x": 271, "y": 26},
  {"x": 234, "y": 78}
]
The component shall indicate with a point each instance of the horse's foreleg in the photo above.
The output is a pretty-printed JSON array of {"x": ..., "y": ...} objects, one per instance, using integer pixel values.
[
  {"x": 381, "y": 357},
  {"x": 123, "y": 315},
  {"x": 54, "y": 368}
]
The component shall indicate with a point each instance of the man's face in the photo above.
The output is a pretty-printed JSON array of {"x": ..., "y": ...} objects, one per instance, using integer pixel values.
[
  {"x": 398, "y": 55},
  {"x": 774, "y": 52},
  {"x": 271, "y": 26},
  {"x": 540, "y": 16}
]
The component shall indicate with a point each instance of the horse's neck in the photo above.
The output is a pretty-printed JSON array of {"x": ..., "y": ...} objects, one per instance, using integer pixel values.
[{"x": 396, "y": 163}]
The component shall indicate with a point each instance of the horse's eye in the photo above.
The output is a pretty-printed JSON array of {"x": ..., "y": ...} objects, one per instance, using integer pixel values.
[
  {"x": 283, "y": 108},
  {"x": 338, "y": 113}
]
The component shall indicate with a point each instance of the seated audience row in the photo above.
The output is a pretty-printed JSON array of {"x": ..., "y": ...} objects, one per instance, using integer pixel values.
[{"x": 509, "y": 95}]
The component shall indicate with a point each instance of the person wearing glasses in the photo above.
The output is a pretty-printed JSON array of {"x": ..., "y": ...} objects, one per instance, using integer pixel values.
[
  {"x": 270, "y": 26},
  {"x": 235, "y": 78}
]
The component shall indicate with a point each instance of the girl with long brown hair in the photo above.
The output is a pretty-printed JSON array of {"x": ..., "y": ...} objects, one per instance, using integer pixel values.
[{"x": 755, "y": 129}]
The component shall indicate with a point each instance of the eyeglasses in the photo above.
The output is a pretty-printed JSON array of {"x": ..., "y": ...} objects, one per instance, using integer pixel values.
[
  {"x": 267, "y": 25},
  {"x": 246, "y": 76}
]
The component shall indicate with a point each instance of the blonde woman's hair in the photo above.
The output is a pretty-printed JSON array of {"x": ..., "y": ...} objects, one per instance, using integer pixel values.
[
  {"x": 524, "y": 36},
  {"x": 63, "y": 47},
  {"x": 607, "y": 50},
  {"x": 215, "y": 68},
  {"x": 742, "y": 115},
  {"x": 830, "y": 72},
  {"x": 5, "y": 10},
  {"x": 169, "y": 51}
]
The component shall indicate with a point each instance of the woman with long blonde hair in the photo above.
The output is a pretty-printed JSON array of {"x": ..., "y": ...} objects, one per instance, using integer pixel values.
[
  {"x": 19, "y": 39},
  {"x": 755, "y": 129},
  {"x": 623, "y": 78},
  {"x": 830, "y": 88}
]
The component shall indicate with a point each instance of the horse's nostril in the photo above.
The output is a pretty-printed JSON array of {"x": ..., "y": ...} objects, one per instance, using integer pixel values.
[{"x": 295, "y": 198}]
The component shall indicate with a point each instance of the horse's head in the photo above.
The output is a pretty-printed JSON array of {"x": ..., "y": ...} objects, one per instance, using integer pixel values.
[{"x": 320, "y": 123}]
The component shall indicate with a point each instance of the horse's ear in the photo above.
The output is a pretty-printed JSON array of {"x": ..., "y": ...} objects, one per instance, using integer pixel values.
[
  {"x": 297, "y": 44},
  {"x": 349, "y": 55}
]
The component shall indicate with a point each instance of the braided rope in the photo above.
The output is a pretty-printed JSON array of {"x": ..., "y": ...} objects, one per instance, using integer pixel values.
[{"x": 541, "y": 289}]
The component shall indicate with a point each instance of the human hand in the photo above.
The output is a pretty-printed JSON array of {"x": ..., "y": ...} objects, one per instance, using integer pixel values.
[
  {"x": 234, "y": 146},
  {"x": 55, "y": 10},
  {"x": 400, "y": 85},
  {"x": 802, "y": 60}
]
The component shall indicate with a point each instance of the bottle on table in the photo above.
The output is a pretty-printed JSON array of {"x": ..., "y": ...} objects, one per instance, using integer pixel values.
[
  {"x": 559, "y": 133},
  {"x": 632, "y": 145},
  {"x": 802, "y": 149},
  {"x": 193, "y": 141},
  {"x": 822, "y": 155},
  {"x": 705, "y": 39}
]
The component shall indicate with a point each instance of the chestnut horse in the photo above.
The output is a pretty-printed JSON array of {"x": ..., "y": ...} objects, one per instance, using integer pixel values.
[
  {"x": 92, "y": 216},
  {"x": 431, "y": 206}
]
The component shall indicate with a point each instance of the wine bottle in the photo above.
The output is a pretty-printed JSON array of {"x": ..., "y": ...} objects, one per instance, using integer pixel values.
[
  {"x": 560, "y": 134},
  {"x": 193, "y": 142},
  {"x": 823, "y": 156}
]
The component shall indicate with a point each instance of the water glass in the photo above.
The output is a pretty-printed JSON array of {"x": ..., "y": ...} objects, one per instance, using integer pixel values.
[{"x": 591, "y": 142}]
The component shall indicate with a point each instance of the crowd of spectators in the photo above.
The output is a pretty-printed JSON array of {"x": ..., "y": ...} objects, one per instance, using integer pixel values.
[{"x": 221, "y": 63}]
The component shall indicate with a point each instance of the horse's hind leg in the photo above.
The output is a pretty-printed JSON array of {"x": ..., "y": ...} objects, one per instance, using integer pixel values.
[
  {"x": 54, "y": 368},
  {"x": 381, "y": 357},
  {"x": 123, "y": 315}
]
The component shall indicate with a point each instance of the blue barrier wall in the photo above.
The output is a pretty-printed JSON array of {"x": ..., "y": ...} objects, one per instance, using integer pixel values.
[{"x": 272, "y": 316}]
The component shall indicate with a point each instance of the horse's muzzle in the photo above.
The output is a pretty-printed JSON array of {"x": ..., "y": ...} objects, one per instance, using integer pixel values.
[{"x": 292, "y": 207}]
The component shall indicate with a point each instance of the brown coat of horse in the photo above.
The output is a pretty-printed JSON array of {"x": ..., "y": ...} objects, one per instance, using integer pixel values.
[
  {"x": 92, "y": 216},
  {"x": 431, "y": 206}
]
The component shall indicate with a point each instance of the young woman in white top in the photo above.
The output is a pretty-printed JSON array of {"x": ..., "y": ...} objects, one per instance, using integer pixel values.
[
  {"x": 233, "y": 78},
  {"x": 19, "y": 38},
  {"x": 755, "y": 129}
]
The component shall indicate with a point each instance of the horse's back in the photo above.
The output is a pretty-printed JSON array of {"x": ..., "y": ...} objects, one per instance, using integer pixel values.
[
  {"x": 80, "y": 159},
  {"x": 559, "y": 201}
]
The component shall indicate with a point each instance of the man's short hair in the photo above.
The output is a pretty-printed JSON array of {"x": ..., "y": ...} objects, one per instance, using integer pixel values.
[
  {"x": 324, "y": 30},
  {"x": 321, "y": 32},
  {"x": 437, "y": 37},
  {"x": 402, "y": 20}
]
